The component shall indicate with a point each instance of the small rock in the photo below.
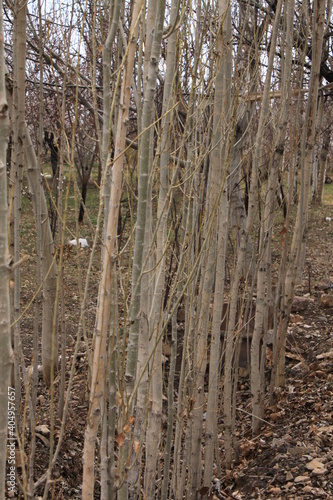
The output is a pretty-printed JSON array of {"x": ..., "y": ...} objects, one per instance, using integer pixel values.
[{"x": 301, "y": 303}]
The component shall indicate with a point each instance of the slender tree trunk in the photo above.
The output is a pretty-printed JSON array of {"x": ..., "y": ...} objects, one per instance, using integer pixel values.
[
  {"x": 84, "y": 190},
  {"x": 19, "y": 60},
  {"x": 144, "y": 363},
  {"x": 229, "y": 410},
  {"x": 49, "y": 268},
  {"x": 217, "y": 179},
  {"x": 109, "y": 415},
  {"x": 109, "y": 256},
  {"x": 258, "y": 345},
  {"x": 299, "y": 234},
  {"x": 321, "y": 156},
  {"x": 7, "y": 396},
  {"x": 132, "y": 349},
  {"x": 155, "y": 316},
  {"x": 108, "y": 103},
  {"x": 215, "y": 345},
  {"x": 34, "y": 378}
]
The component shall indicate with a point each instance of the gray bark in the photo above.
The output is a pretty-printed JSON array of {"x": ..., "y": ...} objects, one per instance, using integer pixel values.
[{"x": 7, "y": 396}]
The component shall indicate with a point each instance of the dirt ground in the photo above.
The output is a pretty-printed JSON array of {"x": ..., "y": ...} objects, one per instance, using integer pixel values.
[{"x": 292, "y": 458}]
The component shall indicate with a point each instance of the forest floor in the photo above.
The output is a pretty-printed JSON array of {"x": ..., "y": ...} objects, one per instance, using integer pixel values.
[{"x": 292, "y": 458}]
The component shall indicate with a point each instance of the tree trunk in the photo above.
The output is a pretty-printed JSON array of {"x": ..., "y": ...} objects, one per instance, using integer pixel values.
[
  {"x": 49, "y": 267},
  {"x": 84, "y": 189},
  {"x": 299, "y": 234},
  {"x": 322, "y": 155},
  {"x": 229, "y": 409},
  {"x": 7, "y": 395},
  {"x": 258, "y": 345},
  {"x": 19, "y": 60},
  {"x": 154, "y": 414},
  {"x": 110, "y": 239}
]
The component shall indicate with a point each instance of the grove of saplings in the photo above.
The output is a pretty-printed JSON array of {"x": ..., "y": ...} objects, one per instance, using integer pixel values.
[{"x": 158, "y": 161}]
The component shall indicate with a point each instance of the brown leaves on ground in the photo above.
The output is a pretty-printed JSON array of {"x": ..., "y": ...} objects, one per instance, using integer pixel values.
[{"x": 293, "y": 456}]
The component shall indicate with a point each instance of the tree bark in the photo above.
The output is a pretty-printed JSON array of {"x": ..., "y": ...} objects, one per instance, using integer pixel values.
[
  {"x": 299, "y": 234},
  {"x": 109, "y": 257},
  {"x": 258, "y": 345},
  {"x": 7, "y": 396},
  {"x": 132, "y": 349}
]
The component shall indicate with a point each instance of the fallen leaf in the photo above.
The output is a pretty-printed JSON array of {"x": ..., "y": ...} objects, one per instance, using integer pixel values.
[
  {"x": 43, "y": 429},
  {"x": 120, "y": 439},
  {"x": 302, "y": 479},
  {"x": 315, "y": 464}
]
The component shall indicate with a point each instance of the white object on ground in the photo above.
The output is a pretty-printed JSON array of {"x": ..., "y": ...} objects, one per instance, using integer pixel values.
[{"x": 83, "y": 243}]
